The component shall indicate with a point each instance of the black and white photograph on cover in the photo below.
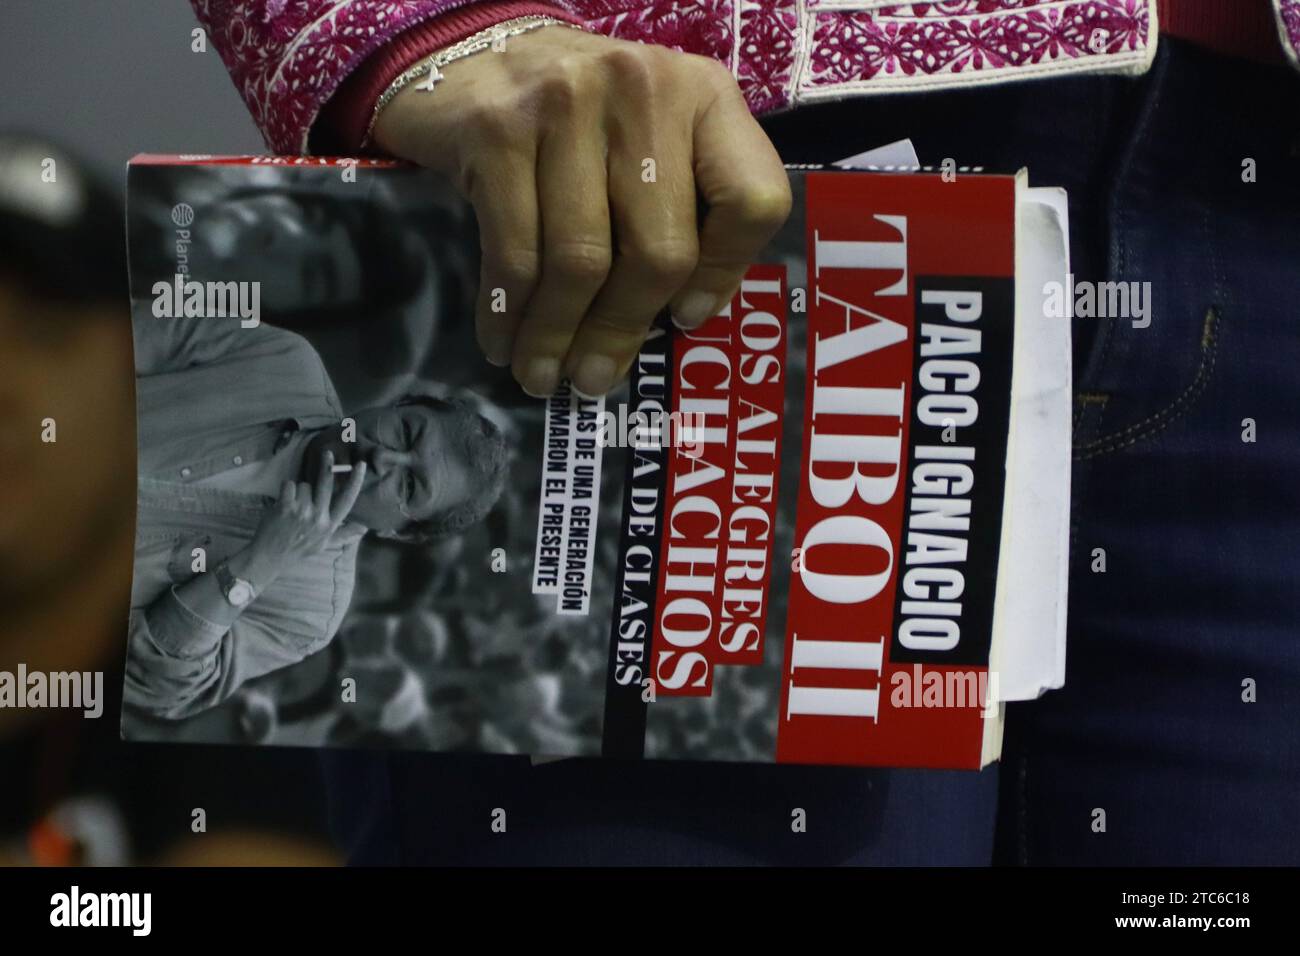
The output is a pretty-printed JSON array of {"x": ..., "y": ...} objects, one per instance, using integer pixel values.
[{"x": 338, "y": 497}]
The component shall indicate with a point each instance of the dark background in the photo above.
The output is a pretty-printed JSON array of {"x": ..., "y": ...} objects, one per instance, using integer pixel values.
[
  {"x": 117, "y": 77},
  {"x": 105, "y": 79}
]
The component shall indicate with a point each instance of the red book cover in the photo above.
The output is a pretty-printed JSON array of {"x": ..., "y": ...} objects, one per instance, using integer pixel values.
[{"x": 911, "y": 309}]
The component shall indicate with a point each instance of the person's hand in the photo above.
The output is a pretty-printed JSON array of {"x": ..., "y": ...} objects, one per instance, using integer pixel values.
[
  {"x": 584, "y": 158},
  {"x": 300, "y": 523},
  {"x": 257, "y": 716}
]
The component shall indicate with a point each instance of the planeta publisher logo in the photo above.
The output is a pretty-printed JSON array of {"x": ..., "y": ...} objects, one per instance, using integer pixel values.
[
  {"x": 183, "y": 214},
  {"x": 190, "y": 299},
  {"x": 131, "y": 910}
]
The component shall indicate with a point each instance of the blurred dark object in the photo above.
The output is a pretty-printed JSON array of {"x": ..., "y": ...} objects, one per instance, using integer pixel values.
[
  {"x": 61, "y": 231},
  {"x": 71, "y": 792}
]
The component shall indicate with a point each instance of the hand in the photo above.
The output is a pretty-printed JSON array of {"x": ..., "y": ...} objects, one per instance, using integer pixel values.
[
  {"x": 300, "y": 523},
  {"x": 257, "y": 716},
  {"x": 553, "y": 141}
]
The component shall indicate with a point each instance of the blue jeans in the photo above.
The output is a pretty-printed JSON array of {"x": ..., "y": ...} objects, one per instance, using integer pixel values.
[
  {"x": 1198, "y": 527},
  {"x": 1181, "y": 712}
]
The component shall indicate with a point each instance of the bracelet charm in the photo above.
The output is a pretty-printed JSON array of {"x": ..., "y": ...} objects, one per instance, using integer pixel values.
[{"x": 430, "y": 71}]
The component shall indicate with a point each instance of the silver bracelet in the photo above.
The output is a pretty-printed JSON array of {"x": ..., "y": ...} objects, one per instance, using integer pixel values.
[{"x": 431, "y": 69}]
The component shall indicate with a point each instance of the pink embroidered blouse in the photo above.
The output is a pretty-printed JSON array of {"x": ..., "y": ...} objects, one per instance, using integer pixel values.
[{"x": 301, "y": 64}]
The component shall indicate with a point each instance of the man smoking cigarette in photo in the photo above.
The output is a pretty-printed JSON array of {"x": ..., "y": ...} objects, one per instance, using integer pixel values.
[{"x": 254, "y": 492}]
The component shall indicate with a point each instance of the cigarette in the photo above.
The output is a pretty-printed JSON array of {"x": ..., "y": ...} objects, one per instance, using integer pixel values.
[{"x": 341, "y": 469}]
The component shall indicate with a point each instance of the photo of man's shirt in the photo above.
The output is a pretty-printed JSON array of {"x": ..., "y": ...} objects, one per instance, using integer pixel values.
[{"x": 224, "y": 413}]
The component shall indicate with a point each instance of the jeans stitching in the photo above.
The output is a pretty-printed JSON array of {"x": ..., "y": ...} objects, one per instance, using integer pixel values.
[
  {"x": 1154, "y": 424},
  {"x": 1081, "y": 403},
  {"x": 1118, "y": 217}
]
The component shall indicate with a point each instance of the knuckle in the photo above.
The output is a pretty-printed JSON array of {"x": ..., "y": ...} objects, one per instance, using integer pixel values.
[
  {"x": 619, "y": 329},
  {"x": 634, "y": 65},
  {"x": 585, "y": 261},
  {"x": 761, "y": 205},
  {"x": 565, "y": 83},
  {"x": 494, "y": 128},
  {"x": 713, "y": 73},
  {"x": 665, "y": 261},
  {"x": 517, "y": 269}
]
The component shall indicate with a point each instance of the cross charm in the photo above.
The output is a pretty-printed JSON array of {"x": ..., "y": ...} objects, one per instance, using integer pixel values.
[{"x": 434, "y": 76}]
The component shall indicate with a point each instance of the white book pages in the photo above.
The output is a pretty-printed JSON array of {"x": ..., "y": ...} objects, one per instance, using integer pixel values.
[{"x": 1029, "y": 614}]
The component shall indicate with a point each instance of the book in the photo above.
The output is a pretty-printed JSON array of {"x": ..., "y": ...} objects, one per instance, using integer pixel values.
[{"x": 828, "y": 526}]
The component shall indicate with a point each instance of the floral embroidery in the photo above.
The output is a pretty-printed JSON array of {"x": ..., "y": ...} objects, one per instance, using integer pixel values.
[
  {"x": 1289, "y": 12},
  {"x": 956, "y": 8},
  {"x": 699, "y": 26},
  {"x": 851, "y": 47},
  {"x": 765, "y": 63},
  {"x": 287, "y": 57}
]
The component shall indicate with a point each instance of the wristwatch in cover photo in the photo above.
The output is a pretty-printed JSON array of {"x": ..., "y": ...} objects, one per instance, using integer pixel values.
[{"x": 236, "y": 590}]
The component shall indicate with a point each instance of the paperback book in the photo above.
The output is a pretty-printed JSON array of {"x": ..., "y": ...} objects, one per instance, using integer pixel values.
[{"x": 829, "y": 526}]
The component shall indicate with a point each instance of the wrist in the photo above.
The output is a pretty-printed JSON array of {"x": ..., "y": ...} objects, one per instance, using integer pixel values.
[
  {"x": 421, "y": 78},
  {"x": 342, "y": 125},
  {"x": 254, "y": 566}
]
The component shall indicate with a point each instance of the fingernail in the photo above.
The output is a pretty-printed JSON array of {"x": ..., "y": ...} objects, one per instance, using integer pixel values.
[
  {"x": 694, "y": 309},
  {"x": 595, "y": 375},
  {"x": 498, "y": 355},
  {"x": 541, "y": 376}
]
